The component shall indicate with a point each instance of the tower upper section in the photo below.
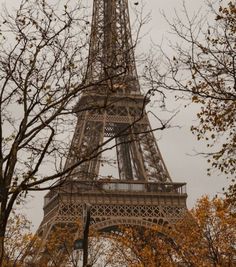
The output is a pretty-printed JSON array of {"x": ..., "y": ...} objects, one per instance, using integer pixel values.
[{"x": 111, "y": 52}]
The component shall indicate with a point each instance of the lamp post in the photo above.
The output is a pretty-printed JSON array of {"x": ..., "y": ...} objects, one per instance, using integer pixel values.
[
  {"x": 87, "y": 209},
  {"x": 83, "y": 243}
]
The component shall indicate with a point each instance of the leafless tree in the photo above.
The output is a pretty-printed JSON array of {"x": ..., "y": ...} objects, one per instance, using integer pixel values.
[{"x": 42, "y": 76}]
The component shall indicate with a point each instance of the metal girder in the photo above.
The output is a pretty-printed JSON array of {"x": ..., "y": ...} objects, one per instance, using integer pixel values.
[{"x": 138, "y": 155}]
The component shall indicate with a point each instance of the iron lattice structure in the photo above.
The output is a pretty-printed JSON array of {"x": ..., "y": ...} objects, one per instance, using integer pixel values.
[{"x": 113, "y": 108}]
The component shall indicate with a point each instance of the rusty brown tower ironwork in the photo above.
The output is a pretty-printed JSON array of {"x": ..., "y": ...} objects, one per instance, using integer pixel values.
[{"x": 113, "y": 108}]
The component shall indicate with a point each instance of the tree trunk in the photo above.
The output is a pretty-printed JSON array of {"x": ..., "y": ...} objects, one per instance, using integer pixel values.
[
  {"x": 1, "y": 247},
  {"x": 3, "y": 224}
]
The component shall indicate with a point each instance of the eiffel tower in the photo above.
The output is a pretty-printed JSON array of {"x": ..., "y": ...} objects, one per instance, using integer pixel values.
[{"x": 143, "y": 194}]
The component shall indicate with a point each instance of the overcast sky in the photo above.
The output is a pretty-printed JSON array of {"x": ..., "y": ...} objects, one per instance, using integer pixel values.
[{"x": 176, "y": 144}]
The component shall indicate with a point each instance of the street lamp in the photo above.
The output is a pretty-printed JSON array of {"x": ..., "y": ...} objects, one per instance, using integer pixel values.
[{"x": 82, "y": 244}]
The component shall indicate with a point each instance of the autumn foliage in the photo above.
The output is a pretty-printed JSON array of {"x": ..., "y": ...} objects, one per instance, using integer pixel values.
[
  {"x": 205, "y": 237},
  {"x": 201, "y": 68},
  {"x": 17, "y": 240},
  {"x": 213, "y": 85}
]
